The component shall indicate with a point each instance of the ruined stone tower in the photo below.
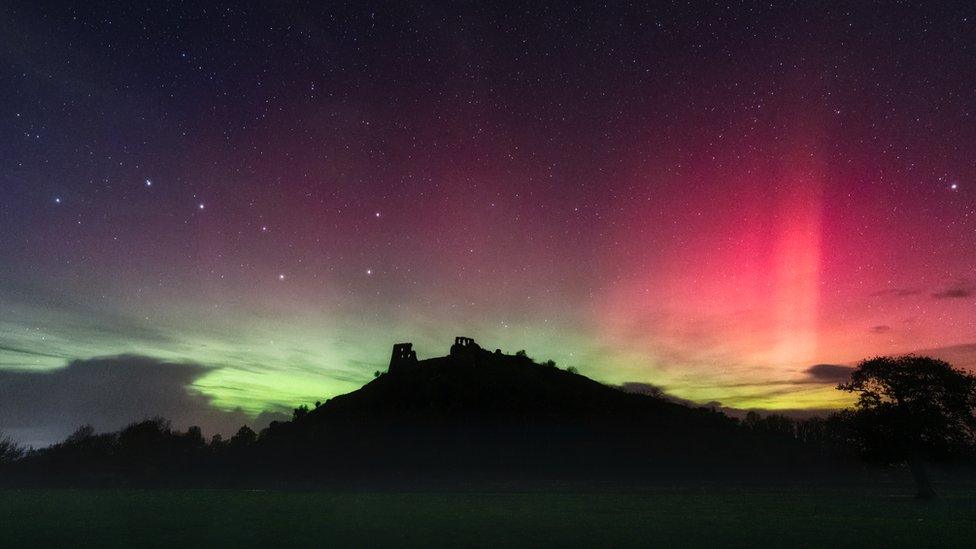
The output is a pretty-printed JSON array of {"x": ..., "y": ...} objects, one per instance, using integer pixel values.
[
  {"x": 404, "y": 358},
  {"x": 464, "y": 346}
]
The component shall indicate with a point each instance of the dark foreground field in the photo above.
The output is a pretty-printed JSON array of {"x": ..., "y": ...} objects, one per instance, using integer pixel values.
[{"x": 878, "y": 517}]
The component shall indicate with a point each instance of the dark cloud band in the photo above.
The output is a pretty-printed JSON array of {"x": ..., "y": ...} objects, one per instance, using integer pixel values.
[{"x": 109, "y": 392}]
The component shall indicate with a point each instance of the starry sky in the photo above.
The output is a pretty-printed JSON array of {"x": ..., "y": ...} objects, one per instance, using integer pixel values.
[{"x": 241, "y": 206}]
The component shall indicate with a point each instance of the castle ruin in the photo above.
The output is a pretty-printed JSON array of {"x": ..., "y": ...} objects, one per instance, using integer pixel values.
[
  {"x": 405, "y": 358},
  {"x": 464, "y": 346}
]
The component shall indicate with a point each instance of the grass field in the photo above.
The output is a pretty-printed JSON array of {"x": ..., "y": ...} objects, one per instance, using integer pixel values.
[{"x": 714, "y": 517}]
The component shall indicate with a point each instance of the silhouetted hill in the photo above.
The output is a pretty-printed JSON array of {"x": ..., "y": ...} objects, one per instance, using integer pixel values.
[
  {"x": 479, "y": 412},
  {"x": 470, "y": 415},
  {"x": 488, "y": 384}
]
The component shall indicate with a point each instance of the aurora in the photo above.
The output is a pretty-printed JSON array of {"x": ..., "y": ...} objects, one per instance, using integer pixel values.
[{"x": 713, "y": 216}]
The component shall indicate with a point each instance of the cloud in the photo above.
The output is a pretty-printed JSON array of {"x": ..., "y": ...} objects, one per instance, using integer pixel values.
[
  {"x": 896, "y": 292},
  {"x": 639, "y": 388},
  {"x": 26, "y": 352},
  {"x": 960, "y": 290},
  {"x": 39, "y": 408},
  {"x": 829, "y": 373},
  {"x": 960, "y": 356},
  {"x": 880, "y": 329},
  {"x": 649, "y": 389}
]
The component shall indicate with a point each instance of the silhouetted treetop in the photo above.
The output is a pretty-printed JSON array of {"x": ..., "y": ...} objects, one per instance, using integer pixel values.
[
  {"x": 245, "y": 436},
  {"x": 9, "y": 450}
]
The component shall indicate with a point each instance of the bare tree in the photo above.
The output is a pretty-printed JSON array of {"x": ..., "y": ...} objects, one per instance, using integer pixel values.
[{"x": 9, "y": 450}]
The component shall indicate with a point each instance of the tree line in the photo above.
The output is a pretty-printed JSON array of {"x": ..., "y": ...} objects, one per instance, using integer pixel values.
[{"x": 909, "y": 411}]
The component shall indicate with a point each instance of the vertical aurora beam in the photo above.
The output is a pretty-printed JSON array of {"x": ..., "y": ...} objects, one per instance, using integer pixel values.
[
  {"x": 797, "y": 265},
  {"x": 734, "y": 309}
]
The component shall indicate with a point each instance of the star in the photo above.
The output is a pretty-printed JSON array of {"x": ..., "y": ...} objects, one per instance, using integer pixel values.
[
  {"x": 149, "y": 182},
  {"x": 200, "y": 206},
  {"x": 281, "y": 277},
  {"x": 954, "y": 187},
  {"x": 377, "y": 214},
  {"x": 369, "y": 271},
  {"x": 264, "y": 228},
  {"x": 57, "y": 199}
]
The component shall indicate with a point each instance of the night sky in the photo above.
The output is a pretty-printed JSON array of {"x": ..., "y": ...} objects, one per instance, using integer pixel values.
[{"x": 234, "y": 209}]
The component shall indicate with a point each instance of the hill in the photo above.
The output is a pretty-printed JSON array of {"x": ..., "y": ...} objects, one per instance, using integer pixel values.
[
  {"x": 484, "y": 413},
  {"x": 468, "y": 416}
]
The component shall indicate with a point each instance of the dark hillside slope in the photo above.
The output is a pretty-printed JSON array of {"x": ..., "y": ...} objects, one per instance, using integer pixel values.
[
  {"x": 487, "y": 413},
  {"x": 489, "y": 385}
]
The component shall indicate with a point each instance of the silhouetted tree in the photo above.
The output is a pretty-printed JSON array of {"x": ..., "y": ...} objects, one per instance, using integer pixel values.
[
  {"x": 752, "y": 421},
  {"x": 144, "y": 436},
  {"x": 80, "y": 435},
  {"x": 194, "y": 435},
  {"x": 774, "y": 424},
  {"x": 572, "y": 370},
  {"x": 245, "y": 436},
  {"x": 9, "y": 450},
  {"x": 299, "y": 412},
  {"x": 779, "y": 424},
  {"x": 911, "y": 409},
  {"x": 811, "y": 431}
]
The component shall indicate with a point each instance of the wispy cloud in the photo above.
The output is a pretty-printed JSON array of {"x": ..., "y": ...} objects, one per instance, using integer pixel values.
[
  {"x": 829, "y": 373},
  {"x": 896, "y": 292},
  {"x": 960, "y": 290}
]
